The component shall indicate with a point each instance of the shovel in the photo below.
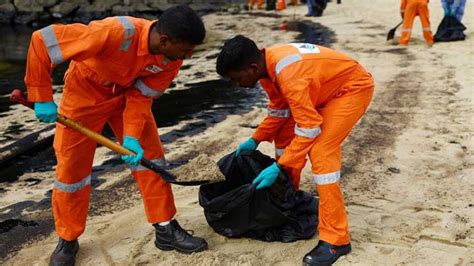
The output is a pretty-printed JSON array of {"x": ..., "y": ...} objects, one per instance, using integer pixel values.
[
  {"x": 391, "y": 33},
  {"x": 17, "y": 96}
]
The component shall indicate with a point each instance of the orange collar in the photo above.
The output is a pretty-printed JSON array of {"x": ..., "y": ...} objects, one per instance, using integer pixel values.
[
  {"x": 143, "y": 42},
  {"x": 270, "y": 67}
]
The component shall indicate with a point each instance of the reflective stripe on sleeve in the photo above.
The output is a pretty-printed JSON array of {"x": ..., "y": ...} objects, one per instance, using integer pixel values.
[
  {"x": 129, "y": 31},
  {"x": 70, "y": 188},
  {"x": 51, "y": 43},
  {"x": 426, "y": 29},
  {"x": 307, "y": 132},
  {"x": 279, "y": 112},
  {"x": 145, "y": 90},
  {"x": 406, "y": 30},
  {"x": 286, "y": 61},
  {"x": 324, "y": 179}
]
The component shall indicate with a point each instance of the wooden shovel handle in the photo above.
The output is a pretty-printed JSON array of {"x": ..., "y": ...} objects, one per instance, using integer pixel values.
[{"x": 17, "y": 96}]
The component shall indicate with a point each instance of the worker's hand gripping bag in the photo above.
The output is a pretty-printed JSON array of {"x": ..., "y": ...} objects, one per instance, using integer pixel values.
[{"x": 234, "y": 208}]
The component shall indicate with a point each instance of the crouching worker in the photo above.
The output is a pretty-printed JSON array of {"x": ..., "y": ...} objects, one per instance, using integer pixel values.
[
  {"x": 316, "y": 96},
  {"x": 118, "y": 66}
]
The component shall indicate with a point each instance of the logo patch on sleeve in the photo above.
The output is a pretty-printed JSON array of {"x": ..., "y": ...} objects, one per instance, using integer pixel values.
[{"x": 153, "y": 69}]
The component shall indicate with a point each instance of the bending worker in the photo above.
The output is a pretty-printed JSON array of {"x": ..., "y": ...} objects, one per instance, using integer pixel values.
[
  {"x": 118, "y": 66},
  {"x": 409, "y": 9},
  {"x": 316, "y": 96}
]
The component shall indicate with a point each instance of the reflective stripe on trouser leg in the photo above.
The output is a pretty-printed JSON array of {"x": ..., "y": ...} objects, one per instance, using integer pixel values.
[
  {"x": 339, "y": 116},
  {"x": 425, "y": 23},
  {"x": 408, "y": 19},
  {"x": 84, "y": 103},
  {"x": 333, "y": 226},
  {"x": 70, "y": 212},
  {"x": 156, "y": 193},
  {"x": 71, "y": 191}
]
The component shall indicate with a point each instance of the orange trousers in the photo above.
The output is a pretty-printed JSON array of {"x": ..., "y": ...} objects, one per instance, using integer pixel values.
[
  {"x": 259, "y": 4},
  {"x": 339, "y": 117},
  {"x": 413, "y": 9},
  {"x": 93, "y": 106},
  {"x": 281, "y": 4}
]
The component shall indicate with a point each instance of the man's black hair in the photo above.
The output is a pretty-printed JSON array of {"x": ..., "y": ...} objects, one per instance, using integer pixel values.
[
  {"x": 181, "y": 23},
  {"x": 237, "y": 54}
]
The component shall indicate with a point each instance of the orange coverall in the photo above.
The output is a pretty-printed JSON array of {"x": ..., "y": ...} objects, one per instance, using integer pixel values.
[
  {"x": 112, "y": 78},
  {"x": 410, "y": 9},
  {"x": 259, "y": 4},
  {"x": 281, "y": 5},
  {"x": 316, "y": 95}
]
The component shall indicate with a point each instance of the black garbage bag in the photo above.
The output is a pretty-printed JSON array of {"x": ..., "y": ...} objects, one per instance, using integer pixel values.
[
  {"x": 450, "y": 29},
  {"x": 234, "y": 208}
]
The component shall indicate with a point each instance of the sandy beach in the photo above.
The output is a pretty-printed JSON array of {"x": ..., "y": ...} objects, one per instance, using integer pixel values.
[{"x": 408, "y": 174}]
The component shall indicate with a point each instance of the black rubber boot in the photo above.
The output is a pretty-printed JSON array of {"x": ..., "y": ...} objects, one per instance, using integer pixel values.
[
  {"x": 173, "y": 237},
  {"x": 325, "y": 254},
  {"x": 65, "y": 253}
]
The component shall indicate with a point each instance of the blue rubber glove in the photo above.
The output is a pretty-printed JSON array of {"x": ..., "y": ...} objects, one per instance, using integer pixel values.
[
  {"x": 267, "y": 177},
  {"x": 46, "y": 111},
  {"x": 248, "y": 145},
  {"x": 133, "y": 145}
]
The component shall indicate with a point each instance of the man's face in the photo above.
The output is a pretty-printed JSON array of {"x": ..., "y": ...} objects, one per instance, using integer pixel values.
[
  {"x": 172, "y": 49},
  {"x": 247, "y": 77}
]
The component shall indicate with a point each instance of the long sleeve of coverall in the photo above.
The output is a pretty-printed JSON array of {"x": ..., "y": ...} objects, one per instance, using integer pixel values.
[
  {"x": 278, "y": 114},
  {"x": 56, "y": 44},
  {"x": 138, "y": 106},
  {"x": 308, "y": 121}
]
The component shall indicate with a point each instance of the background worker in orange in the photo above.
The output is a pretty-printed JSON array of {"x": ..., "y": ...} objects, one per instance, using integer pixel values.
[
  {"x": 259, "y": 4},
  {"x": 409, "y": 9},
  {"x": 281, "y": 4},
  {"x": 119, "y": 65},
  {"x": 316, "y": 96}
]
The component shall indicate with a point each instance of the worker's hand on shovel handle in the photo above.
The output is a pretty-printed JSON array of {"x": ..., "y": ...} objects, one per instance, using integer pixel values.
[
  {"x": 46, "y": 111},
  {"x": 132, "y": 144},
  {"x": 132, "y": 151}
]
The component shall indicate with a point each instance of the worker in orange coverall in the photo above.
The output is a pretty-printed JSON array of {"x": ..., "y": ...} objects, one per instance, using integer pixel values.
[
  {"x": 119, "y": 65},
  {"x": 259, "y": 4},
  {"x": 316, "y": 96},
  {"x": 409, "y": 9}
]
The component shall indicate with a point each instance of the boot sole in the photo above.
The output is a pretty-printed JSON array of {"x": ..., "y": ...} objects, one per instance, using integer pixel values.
[{"x": 166, "y": 247}]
